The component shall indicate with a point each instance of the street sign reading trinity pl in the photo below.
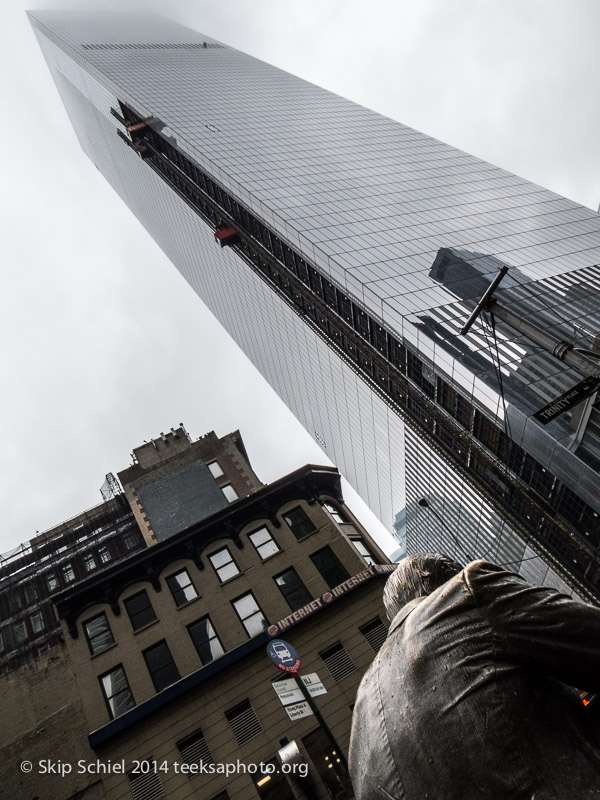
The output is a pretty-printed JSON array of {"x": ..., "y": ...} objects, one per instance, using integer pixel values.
[{"x": 570, "y": 398}]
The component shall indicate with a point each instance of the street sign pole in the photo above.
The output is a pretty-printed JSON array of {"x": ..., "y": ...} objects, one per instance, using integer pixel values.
[
  {"x": 320, "y": 720},
  {"x": 285, "y": 658}
]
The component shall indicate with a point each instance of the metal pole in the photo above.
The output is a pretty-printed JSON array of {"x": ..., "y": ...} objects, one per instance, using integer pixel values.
[
  {"x": 483, "y": 302},
  {"x": 320, "y": 720},
  {"x": 560, "y": 349}
]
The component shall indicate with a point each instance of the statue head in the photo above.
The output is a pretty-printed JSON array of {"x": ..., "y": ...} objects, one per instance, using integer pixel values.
[{"x": 417, "y": 576}]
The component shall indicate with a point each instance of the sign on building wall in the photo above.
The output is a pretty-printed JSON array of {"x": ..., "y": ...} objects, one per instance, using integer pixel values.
[{"x": 330, "y": 597}]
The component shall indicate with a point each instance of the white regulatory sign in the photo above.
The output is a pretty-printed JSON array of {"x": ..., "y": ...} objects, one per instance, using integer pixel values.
[
  {"x": 313, "y": 684},
  {"x": 285, "y": 685},
  {"x": 299, "y": 710},
  {"x": 288, "y": 691}
]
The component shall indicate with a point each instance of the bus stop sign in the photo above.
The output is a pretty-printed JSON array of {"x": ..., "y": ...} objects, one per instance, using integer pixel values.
[{"x": 283, "y": 656}]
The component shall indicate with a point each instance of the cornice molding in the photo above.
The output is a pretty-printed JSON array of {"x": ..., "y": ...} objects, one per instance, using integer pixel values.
[{"x": 307, "y": 483}]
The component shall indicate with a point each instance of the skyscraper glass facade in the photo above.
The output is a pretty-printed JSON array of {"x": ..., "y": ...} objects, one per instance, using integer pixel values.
[{"x": 349, "y": 250}]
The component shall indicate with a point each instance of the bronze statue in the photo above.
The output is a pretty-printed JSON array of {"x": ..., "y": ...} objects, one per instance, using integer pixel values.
[{"x": 475, "y": 694}]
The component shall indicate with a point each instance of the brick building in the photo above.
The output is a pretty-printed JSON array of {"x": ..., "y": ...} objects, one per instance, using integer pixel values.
[
  {"x": 171, "y": 483},
  {"x": 163, "y": 655}
]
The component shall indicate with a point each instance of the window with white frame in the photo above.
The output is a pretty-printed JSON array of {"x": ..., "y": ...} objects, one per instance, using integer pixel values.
[
  {"x": 363, "y": 550},
  {"x": 229, "y": 492},
  {"x": 182, "y": 588},
  {"x": 116, "y": 691},
  {"x": 215, "y": 469},
  {"x": 264, "y": 543},
  {"x": 224, "y": 565},
  {"x": 250, "y": 613},
  {"x": 335, "y": 513}
]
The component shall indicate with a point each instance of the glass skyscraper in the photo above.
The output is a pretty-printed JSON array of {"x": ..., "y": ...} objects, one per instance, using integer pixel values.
[{"x": 343, "y": 252}]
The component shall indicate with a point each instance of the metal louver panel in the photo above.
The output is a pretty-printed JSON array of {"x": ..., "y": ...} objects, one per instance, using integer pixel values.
[
  {"x": 338, "y": 662},
  {"x": 375, "y": 633},
  {"x": 244, "y": 722},
  {"x": 194, "y": 749},
  {"x": 145, "y": 787}
]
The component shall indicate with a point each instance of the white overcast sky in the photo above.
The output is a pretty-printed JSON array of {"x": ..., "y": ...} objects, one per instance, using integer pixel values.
[{"x": 104, "y": 345}]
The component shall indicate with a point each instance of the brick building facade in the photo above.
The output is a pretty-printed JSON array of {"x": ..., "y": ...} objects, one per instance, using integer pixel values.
[{"x": 162, "y": 655}]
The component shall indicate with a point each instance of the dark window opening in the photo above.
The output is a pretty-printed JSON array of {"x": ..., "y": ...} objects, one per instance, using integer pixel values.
[
  {"x": 299, "y": 522},
  {"x": 270, "y": 782},
  {"x": 140, "y": 610},
  {"x": 205, "y": 639},
  {"x": 161, "y": 666},
  {"x": 292, "y": 588},
  {"x": 361, "y": 322},
  {"x": 330, "y": 567}
]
